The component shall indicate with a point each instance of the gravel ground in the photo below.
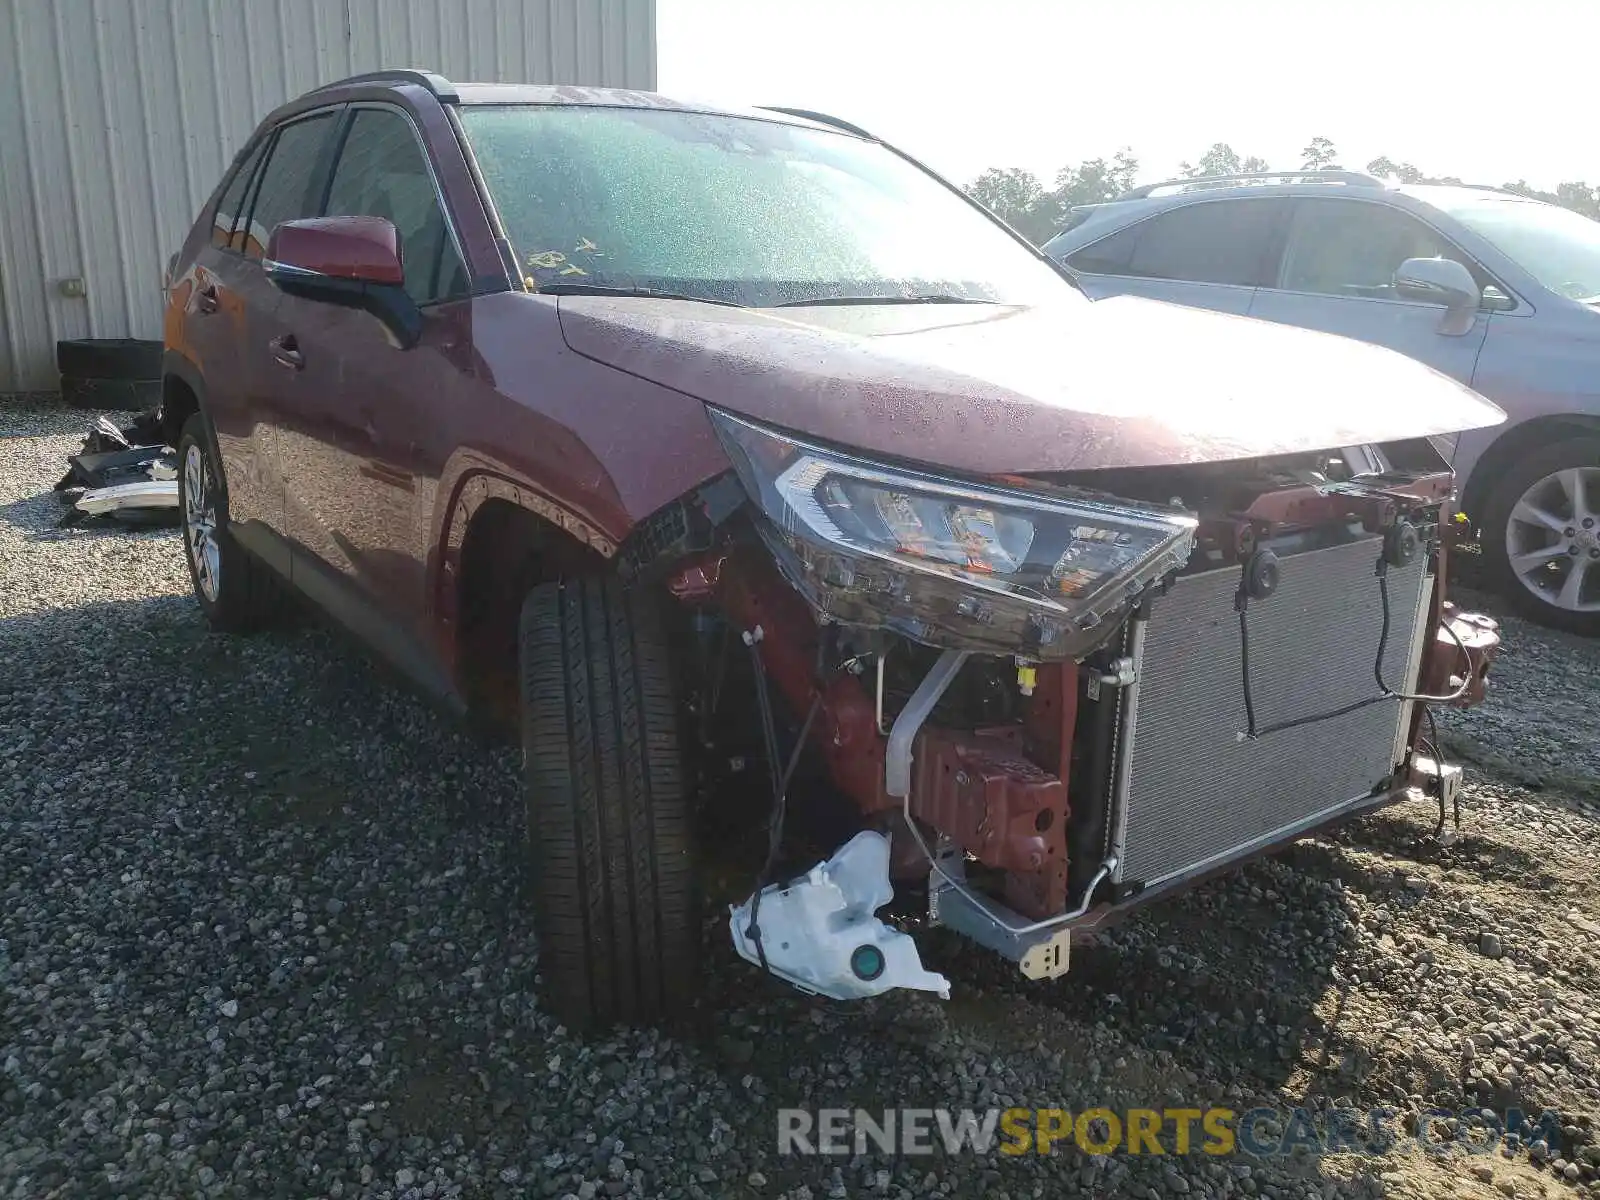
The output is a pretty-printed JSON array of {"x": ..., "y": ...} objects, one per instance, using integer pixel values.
[{"x": 262, "y": 932}]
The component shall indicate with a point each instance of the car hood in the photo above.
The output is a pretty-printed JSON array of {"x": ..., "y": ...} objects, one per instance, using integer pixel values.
[{"x": 992, "y": 389}]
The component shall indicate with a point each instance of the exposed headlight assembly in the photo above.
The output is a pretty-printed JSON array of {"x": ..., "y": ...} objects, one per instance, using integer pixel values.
[{"x": 947, "y": 562}]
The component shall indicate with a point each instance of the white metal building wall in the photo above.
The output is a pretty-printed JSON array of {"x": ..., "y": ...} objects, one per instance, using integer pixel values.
[{"x": 118, "y": 116}]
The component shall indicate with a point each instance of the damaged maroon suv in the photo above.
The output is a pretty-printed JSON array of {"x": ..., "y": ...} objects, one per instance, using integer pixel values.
[{"x": 677, "y": 438}]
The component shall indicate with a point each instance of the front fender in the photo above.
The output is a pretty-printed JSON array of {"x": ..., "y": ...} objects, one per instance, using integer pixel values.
[{"x": 591, "y": 448}]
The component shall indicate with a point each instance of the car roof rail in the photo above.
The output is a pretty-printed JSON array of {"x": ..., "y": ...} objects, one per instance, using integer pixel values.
[
  {"x": 1200, "y": 182},
  {"x": 807, "y": 114},
  {"x": 432, "y": 80},
  {"x": 1491, "y": 187}
]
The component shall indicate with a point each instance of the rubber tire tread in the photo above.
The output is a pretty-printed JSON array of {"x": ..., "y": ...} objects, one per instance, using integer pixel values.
[
  {"x": 607, "y": 814},
  {"x": 250, "y": 597}
]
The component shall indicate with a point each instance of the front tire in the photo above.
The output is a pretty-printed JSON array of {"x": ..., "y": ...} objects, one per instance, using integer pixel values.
[
  {"x": 237, "y": 593},
  {"x": 608, "y": 817},
  {"x": 1541, "y": 535}
]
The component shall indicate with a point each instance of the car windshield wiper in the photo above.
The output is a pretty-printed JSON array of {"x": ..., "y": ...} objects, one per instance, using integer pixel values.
[
  {"x": 931, "y": 298},
  {"x": 604, "y": 289}
]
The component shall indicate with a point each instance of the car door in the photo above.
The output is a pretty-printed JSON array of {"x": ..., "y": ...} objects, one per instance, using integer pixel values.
[
  {"x": 217, "y": 298},
  {"x": 1206, "y": 254},
  {"x": 1337, "y": 276},
  {"x": 234, "y": 305},
  {"x": 359, "y": 476}
]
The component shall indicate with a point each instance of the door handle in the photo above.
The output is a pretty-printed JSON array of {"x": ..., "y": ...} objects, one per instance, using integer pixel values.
[
  {"x": 205, "y": 299},
  {"x": 286, "y": 353}
]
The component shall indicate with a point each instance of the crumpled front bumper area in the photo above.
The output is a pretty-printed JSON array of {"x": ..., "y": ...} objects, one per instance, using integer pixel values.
[
  {"x": 1014, "y": 937},
  {"x": 1191, "y": 792},
  {"x": 1139, "y": 771}
]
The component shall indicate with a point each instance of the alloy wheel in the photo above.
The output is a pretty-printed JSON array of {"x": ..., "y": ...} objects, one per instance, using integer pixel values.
[
  {"x": 1553, "y": 539},
  {"x": 200, "y": 522}
]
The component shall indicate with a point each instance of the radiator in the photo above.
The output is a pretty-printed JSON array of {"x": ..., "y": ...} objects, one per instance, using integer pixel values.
[{"x": 1190, "y": 794}]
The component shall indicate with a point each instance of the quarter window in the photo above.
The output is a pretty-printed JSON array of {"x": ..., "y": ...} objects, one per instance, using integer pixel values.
[
  {"x": 1109, "y": 256},
  {"x": 1350, "y": 248},
  {"x": 1214, "y": 241},
  {"x": 288, "y": 189},
  {"x": 231, "y": 205},
  {"x": 382, "y": 172}
]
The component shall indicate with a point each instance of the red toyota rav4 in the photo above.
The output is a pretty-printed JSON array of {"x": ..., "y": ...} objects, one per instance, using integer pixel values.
[{"x": 644, "y": 428}]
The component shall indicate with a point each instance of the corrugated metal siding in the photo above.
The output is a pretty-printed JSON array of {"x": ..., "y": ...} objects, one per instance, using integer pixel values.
[{"x": 118, "y": 116}]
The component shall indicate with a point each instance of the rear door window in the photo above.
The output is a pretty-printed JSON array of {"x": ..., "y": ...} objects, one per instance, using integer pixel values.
[
  {"x": 290, "y": 186},
  {"x": 382, "y": 172},
  {"x": 1215, "y": 241}
]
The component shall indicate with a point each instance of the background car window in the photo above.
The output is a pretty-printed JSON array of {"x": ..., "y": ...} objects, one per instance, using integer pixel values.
[
  {"x": 1558, "y": 247},
  {"x": 1214, "y": 241},
  {"x": 286, "y": 191},
  {"x": 1351, "y": 248},
  {"x": 231, "y": 205},
  {"x": 382, "y": 173},
  {"x": 1110, "y": 255}
]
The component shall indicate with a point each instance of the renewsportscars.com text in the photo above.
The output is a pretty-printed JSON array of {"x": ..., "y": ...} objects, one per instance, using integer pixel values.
[{"x": 1258, "y": 1132}]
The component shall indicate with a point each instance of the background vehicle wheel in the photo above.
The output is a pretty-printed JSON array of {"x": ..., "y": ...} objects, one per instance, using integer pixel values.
[
  {"x": 1541, "y": 535},
  {"x": 608, "y": 818},
  {"x": 236, "y": 592}
]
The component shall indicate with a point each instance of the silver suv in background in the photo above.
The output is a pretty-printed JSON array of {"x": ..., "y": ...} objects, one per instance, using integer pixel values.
[{"x": 1498, "y": 291}]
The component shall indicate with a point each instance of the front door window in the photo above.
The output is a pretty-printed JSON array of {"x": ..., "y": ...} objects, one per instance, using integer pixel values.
[
  {"x": 1351, "y": 248},
  {"x": 382, "y": 173}
]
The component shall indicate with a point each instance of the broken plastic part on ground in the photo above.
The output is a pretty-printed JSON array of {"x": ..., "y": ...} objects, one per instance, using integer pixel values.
[
  {"x": 819, "y": 933},
  {"x": 128, "y": 472},
  {"x": 144, "y": 496}
]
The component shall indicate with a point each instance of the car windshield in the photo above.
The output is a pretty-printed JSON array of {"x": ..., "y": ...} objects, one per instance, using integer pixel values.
[
  {"x": 736, "y": 209},
  {"x": 1558, "y": 247}
]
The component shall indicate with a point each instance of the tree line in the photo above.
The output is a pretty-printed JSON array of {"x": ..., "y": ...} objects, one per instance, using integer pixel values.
[{"x": 1023, "y": 201}]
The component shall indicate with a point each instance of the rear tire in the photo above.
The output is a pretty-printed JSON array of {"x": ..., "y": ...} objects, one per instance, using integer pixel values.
[
  {"x": 1531, "y": 526},
  {"x": 237, "y": 592},
  {"x": 608, "y": 817}
]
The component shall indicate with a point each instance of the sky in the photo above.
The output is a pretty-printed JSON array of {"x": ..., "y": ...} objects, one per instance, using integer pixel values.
[{"x": 1488, "y": 91}]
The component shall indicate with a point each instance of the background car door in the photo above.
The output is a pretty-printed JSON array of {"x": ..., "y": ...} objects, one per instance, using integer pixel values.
[
  {"x": 1337, "y": 276},
  {"x": 235, "y": 304},
  {"x": 1208, "y": 254},
  {"x": 359, "y": 408}
]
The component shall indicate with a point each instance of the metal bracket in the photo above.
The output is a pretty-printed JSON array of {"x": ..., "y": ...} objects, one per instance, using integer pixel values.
[
  {"x": 1035, "y": 946},
  {"x": 1038, "y": 953},
  {"x": 1119, "y": 673},
  {"x": 1427, "y": 773},
  {"x": 1048, "y": 959}
]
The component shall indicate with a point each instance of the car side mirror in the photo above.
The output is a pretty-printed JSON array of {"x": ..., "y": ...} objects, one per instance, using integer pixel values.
[
  {"x": 1441, "y": 281},
  {"x": 353, "y": 262}
]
